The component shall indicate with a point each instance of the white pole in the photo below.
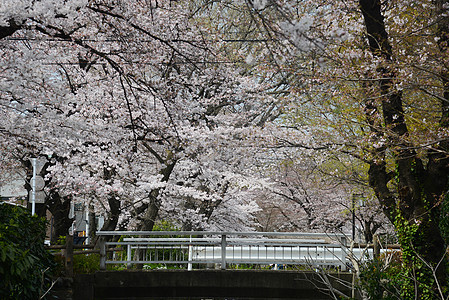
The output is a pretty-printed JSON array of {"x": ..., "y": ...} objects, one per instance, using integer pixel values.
[
  {"x": 87, "y": 227},
  {"x": 33, "y": 187},
  {"x": 189, "y": 265},
  {"x": 128, "y": 256},
  {"x": 223, "y": 251}
]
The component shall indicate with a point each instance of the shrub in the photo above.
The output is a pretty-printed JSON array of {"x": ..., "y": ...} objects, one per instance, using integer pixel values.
[
  {"x": 24, "y": 262},
  {"x": 85, "y": 264},
  {"x": 382, "y": 278}
]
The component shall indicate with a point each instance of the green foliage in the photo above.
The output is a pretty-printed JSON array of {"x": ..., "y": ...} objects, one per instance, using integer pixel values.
[
  {"x": 252, "y": 267},
  {"x": 61, "y": 240},
  {"x": 444, "y": 219},
  {"x": 412, "y": 277},
  {"x": 163, "y": 225},
  {"x": 417, "y": 274},
  {"x": 23, "y": 258},
  {"x": 163, "y": 266},
  {"x": 380, "y": 280},
  {"x": 85, "y": 264}
]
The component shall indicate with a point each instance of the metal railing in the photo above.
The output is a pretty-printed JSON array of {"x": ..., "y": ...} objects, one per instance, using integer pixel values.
[{"x": 201, "y": 247}]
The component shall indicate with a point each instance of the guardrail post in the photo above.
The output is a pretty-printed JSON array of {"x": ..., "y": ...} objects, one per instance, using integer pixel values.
[
  {"x": 128, "y": 256},
  {"x": 102, "y": 254},
  {"x": 344, "y": 244},
  {"x": 68, "y": 253},
  {"x": 189, "y": 265},
  {"x": 376, "y": 247},
  {"x": 223, "y": 252}
]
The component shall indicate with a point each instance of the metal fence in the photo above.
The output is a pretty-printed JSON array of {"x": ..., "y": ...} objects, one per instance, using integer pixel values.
[{"x": 224, "y": 248}]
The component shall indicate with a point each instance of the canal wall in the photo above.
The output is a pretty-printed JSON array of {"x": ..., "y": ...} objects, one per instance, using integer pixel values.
[{"x": 208, "y": 284}]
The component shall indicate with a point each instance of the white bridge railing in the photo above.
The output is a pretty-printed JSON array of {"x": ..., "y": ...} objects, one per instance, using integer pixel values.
[{"x": 201, "y": 247}]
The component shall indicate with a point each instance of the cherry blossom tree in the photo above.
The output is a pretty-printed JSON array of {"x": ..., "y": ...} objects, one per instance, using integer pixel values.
[
  {"x": 136, "y": 108},
  {"x": 306, "y": 194},
  {"x": 371, "y": 77},
  {"x": 132, "y": 106}
]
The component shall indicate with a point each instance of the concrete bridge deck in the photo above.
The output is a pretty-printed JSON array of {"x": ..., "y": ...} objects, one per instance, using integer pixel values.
[{"x": 207, "y": 284}]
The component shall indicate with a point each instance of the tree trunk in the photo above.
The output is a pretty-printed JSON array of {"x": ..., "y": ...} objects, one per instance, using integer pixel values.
[
  {"x": 413, "y": 204},
  {"x": 113, "y": 215},
  {"x": 60, "y": 209},
  {"x": 92, "y": 226},
  {"x": 148, "y": 220},
  {"x": 151, "y": 213},
  {"x": 110, "y": 222},
  {"x": 6, "y": 31}
]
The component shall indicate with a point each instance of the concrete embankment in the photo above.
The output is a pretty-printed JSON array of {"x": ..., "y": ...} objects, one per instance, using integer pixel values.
[{"x": 208, "y": 284}]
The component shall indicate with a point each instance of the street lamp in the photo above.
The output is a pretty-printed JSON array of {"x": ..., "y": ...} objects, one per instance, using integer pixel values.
[
  {"x": 361, "y": 203},
  {"x": 353, "y": 216}
]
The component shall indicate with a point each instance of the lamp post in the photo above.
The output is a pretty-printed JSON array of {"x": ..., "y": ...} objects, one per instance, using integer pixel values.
[
  {"x": 361, "y": 203},
  {"x": 353, "y": 216}
]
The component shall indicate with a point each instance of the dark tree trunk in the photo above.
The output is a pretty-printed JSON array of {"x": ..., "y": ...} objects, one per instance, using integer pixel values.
[
  {"x": 369, "y": 229},
  {"x": 151, "y": 212},
  {"x": 412, "y": 205},
  {"x": 148, "y": 220},
  {"x": 60, "y": 209},
  {"x": 6, "y": 31},
  {"x": 111, "y": 220},
  {"x": 92, "y": 226}
]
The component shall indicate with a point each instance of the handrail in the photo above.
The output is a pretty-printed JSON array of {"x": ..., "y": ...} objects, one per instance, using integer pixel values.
[
  {"x": 228, "y": 233},
  {"x": 229, "y": 240}
]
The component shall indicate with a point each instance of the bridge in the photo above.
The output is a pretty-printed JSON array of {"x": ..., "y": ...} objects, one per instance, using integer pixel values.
[
  {"x": 209, "y": 265},
  {"x": 228, "y": 248}
]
